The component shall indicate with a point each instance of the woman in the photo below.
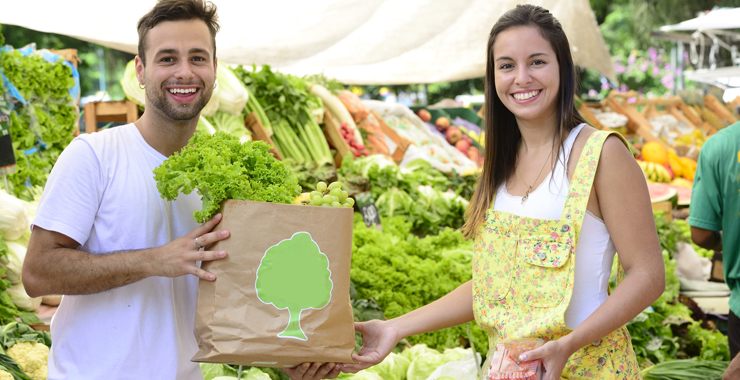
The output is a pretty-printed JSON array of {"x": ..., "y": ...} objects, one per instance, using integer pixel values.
[{"x": 544, "y": 243}]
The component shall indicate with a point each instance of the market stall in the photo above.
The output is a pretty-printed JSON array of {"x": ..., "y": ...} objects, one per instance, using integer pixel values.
[
  {"x": 415, "y": 170},
  {"x": 362, "y": 46}
]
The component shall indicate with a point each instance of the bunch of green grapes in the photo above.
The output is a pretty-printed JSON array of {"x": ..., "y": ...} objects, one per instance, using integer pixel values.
[{"x": 331, "y": 196}]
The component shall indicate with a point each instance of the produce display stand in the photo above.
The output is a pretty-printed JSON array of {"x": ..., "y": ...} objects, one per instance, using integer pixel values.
[
  {"x": 259, "y": 133},
  {"x": 401, "y": 143},
  {"x": 122, "y": 111},
  {"x": 335, "y": 139},
  {"x": 715, "y": 105},
  {"x": 585, "y": 109},
  {"x": 637, "y": 122}
]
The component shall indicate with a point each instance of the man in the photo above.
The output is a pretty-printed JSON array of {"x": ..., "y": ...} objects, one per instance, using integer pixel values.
[
  {"x": 715, "y": 215},
  {"x": 126, "y": 260}
]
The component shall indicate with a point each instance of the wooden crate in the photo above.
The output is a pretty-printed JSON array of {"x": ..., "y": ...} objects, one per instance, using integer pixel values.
[
  {"x": 401, "y": 143},
  {"x": 335, "y": 139},
  {"x": 667, "y": 209},
  {"x": 260, "y": 134},
  {"x": 715, "y": 105},
  {"x": 636, "y": 123},
  {"x": 123, "y": 111}
]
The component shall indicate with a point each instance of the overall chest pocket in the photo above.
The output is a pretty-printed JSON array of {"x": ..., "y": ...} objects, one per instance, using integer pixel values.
[
  {"x": 543, "y": 270},
  {"x": 493, "y": 265}
]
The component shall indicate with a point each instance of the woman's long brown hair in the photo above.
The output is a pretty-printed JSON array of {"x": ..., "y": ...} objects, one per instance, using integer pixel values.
[{"x": 502, "y": 132}]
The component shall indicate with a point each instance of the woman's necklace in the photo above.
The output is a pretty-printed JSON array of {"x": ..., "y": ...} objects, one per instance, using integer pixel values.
[{"x": 529, "y": 187}]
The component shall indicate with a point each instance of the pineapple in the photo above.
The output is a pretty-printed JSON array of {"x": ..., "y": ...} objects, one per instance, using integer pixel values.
[{"x": 710, "y": 117}]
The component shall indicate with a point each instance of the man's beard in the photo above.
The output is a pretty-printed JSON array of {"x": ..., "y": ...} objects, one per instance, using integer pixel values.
[{"x": 181, "y": 111}]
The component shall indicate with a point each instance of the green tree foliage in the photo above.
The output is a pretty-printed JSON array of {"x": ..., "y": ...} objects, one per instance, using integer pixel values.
[{"x": 294, "y": 275}]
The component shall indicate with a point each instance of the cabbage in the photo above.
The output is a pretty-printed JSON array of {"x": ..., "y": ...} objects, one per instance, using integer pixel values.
[
  {"x": 212, "y": 370},
  {"x": 393, "y": 367},
  {"x": 254, "y": 373},
  {"x": 136, "y": 94},
  {"x": 424, "y": 365},
  {"x": 21, "y": 299},
  {"x": 212, "y": 105},
  {"x": 420, "y": 349},
  {"x": 457, "y": 353},
  {"x": 362, "y": 375},
  {"x": 461, "y": 365},
  {"x": 205, "y": 126},
  {"x": 231, "y": 124},
  {"x": 13, "y": 217},
  {"x": 130, "y": 84},
  {"x": 13, "y": 262},
  {"x": 232, "y": 94}
]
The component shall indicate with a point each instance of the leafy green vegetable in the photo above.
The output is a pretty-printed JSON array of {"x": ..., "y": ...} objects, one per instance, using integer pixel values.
[
  {"x": 291, "y": 109},
  {"x": 45, "y": 125},
  {"x": 396, "y": 269},
  {"x": 231, "y": 124},
  {"x": 691, "y": 369},
  {"x": 333, "y": 85},
  {"x": 418, "y": 192},
  {"x": 393, "y": 367},
  {"x": 16, "y": 332},
  {"x": 362, "y": 375},
  {"x": 309, "y": 174},
  {"x": 213, "y": 370},
  {"x": 423, "y": 365},
  {"x": 685, "y": 230},
  {"x": 666, "y": 330},
  {"x": 220, "y": 167}
]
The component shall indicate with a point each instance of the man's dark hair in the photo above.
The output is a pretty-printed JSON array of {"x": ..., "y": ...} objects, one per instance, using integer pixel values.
[{"x": 178, "y": 10}]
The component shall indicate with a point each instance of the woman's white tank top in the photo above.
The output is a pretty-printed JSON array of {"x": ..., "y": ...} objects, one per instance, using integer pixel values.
[{"x": 595, "y": 249}]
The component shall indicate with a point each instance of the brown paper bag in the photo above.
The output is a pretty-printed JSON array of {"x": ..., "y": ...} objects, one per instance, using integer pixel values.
[{"x": 281, "y": 297}]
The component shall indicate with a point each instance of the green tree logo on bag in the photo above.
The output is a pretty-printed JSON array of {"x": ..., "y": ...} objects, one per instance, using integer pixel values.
[{"x": 294, "y": 275}]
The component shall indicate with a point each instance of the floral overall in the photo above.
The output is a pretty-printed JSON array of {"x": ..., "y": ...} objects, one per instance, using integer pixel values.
[{"x": 523, "y": 273}]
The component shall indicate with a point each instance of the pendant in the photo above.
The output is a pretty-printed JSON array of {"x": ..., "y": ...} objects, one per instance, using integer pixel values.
[{"x": 526, "y": 195}]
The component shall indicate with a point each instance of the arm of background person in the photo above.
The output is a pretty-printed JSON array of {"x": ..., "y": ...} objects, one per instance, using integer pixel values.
[
  {"x": 705, "y": 216},
  {"x": 55, "y": 265},
  {"x": 625, "y": 206},
  {"x": 706, "y": 239}
]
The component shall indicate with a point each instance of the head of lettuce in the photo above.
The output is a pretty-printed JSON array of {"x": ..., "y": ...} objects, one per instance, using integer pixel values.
[{"x": 220, "y": 167}]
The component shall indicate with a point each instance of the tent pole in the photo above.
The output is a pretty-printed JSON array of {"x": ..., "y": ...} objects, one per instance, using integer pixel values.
[{"x": 680, "y": 66}]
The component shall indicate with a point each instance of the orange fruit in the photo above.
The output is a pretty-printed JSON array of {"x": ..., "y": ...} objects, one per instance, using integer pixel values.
[
  {"x": 675, "y": 163},
  {"x": 689, "y": 167},
  {"x": 654, "y": 152}
]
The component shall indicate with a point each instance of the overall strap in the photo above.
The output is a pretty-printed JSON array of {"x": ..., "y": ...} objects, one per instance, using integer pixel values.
[{"x": 583, "y": 179}]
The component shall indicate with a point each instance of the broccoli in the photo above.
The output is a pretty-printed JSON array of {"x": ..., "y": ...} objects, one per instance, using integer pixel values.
[{"x": 294, "y": 275}]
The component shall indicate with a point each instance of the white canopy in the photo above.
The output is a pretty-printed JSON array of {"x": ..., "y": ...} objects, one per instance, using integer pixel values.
[
  {"x": 726, "y": 18},
  {"x": 353, "y": 41}
]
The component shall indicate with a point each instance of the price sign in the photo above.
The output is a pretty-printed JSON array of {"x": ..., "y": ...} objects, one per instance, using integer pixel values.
[{"x": 366, "y": 206}]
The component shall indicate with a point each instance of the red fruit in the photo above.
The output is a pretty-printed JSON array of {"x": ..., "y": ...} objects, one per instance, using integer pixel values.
[
  {"x": 442, "y": 123},
  {"x": 468, "y": 139},
  {"x": 360, "y": 146},
  {"x": 343, "y": 125},
  {"x": 357, "y": 154},
  {"x": 424, "y": 115},
  {"x": 365, "y": 153},
  {"x": 453, "y": 135},
  {"x": 463, "y": 146},
  {"x": 474, "y": 155}
]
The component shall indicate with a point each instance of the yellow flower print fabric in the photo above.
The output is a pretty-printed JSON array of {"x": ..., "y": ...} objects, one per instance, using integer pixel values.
[{"x": 523, "y": 274}]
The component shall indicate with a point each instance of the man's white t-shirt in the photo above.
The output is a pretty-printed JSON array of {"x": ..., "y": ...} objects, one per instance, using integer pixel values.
[{"x": 102, "y": 194}]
